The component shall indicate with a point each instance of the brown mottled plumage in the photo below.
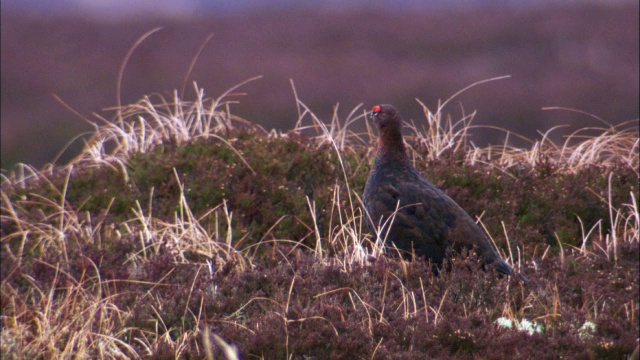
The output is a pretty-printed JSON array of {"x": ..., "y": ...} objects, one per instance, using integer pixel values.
[{"x": 427, "y": 222}]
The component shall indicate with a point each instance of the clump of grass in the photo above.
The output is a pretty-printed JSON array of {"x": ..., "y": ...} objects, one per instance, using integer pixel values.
[
  {"x": 346, "y": 239},
  {"x": 441, "y": 135},
  {"x": 606, "y": 146},
  {"x": 141, "y": 127},
  {"x": 62, "y": 319}
]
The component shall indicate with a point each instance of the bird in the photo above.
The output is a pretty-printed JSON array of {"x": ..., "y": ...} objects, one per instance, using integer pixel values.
[{"x": 412, "y": 213}]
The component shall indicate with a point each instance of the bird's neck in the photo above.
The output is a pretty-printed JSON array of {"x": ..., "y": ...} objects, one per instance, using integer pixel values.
[{"x": 391, "y": 148}]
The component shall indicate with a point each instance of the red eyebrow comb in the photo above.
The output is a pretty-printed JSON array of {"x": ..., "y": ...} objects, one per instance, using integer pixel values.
[{"x": 376, "y": 109}]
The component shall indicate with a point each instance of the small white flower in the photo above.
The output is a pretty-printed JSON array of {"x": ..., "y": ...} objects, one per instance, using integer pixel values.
[
  {"x": 587, "y": 330},
  {"x": 531, "y": 327},
  {"x": 504, "y": 322}
]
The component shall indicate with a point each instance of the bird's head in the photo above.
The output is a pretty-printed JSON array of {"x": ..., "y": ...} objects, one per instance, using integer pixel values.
[{"x": 386, "y": 116}]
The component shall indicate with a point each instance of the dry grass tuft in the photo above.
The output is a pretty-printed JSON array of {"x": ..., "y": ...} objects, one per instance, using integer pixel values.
[{"x": 609, "y": 147}]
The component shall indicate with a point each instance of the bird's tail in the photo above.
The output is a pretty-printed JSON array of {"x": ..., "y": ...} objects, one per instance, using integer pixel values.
[{"x": 504, "y": 268}]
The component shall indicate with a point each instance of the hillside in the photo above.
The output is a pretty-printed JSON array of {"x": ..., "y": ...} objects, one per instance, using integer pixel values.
[
  {"x": 183, "y": 231},
  {"x": 583, "y": 55}
]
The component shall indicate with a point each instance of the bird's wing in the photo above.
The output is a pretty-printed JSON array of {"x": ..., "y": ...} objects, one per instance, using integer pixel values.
[{"x": 419, "y": 215}]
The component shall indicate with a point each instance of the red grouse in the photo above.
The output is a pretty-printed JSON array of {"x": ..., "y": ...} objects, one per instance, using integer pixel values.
[{"x": 411, "y": 212}]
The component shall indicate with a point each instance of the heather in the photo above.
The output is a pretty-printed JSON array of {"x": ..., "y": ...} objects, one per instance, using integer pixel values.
[{"x": 184, "y": 231}]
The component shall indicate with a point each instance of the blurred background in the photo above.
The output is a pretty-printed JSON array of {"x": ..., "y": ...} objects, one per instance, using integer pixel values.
[{"x": 577, "y": 54}]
